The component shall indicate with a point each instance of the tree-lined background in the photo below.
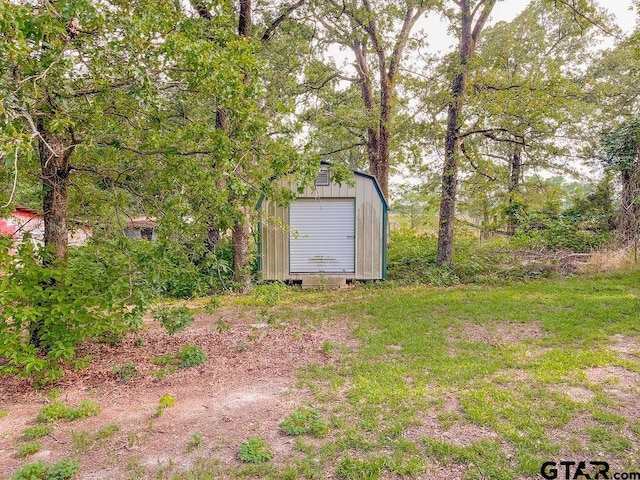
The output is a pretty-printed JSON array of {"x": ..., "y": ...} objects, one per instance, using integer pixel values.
[{"x": 525, "y": 134}]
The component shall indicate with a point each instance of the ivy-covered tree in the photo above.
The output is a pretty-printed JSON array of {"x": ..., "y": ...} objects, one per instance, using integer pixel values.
[{"x": 622, "y": 155}]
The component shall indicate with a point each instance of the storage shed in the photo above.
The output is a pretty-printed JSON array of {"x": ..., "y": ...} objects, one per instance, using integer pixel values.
[{"x": 331, "y": 233}]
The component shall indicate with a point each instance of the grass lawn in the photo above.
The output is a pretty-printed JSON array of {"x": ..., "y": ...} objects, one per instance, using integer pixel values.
[
  {"x": 474, "y": 382},
  {"x": 470, "y": 382}
]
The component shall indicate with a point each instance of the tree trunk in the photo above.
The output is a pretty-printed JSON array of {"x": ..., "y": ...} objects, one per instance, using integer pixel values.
[
  {"x": 469, "y": 35},
  {"x": 240, "y": 240},
  {"x": 54, "y": 164},
  {"x": 450, "y": 173},
  {"x": 381, "y": 169},
  {"x": 628, "y": 222},
  {"x": 514, "y": 183}
]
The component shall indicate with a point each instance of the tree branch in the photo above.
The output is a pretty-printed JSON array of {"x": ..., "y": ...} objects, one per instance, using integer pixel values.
[{"x": 268, "y": 33}]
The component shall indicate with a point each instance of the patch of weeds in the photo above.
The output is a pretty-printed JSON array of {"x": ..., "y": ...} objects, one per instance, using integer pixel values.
[
  {"x": 173, "y": 319},
  {"x": 79, "y": 364},
  {"x": 107, "y": 431},
  {"x": 138, "y": 342},
  {"x": 351, "y": 468},
  {"x": 110, "y": 338},
  {"x": 27, "y": 449},
  {"x": 3, "y": 413},
  {"x": 191, "y": 356},
  {"x": 134, "y": 439},
  {"x": 212, "y": 304},
  {"x": 64, "y": 469},
  {"x": 80, "y": 442},
  {"x": 305, "y": 421},
  {"x": 254, "y": 450},
  {"x": 270, "y": 294},
  {"x": 328, "y": 348},
  {"x": 53, "y": 394},
  {"x": 135, "y": 469},
  {"x": 58, "y": 410},
  {"x": 635, "y": 428},
  {"x": 194, "y": 443},
  {"x": 166, "y": 401},
  {"x": 38, "y": 430},
  {"x": 602, "y": 439},
  {"x": 242, "y": 347},
  {"x": 222, "y": 326},
  {"x": 448, "y": 419},
  {"x": 126, "y": 371},
  {"x": 32, "y": 471}
]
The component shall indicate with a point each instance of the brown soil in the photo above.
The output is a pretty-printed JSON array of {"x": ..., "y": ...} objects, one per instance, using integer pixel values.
[
  {"x": 499, "y": 334},
  {"x": 245, "y": 388}
]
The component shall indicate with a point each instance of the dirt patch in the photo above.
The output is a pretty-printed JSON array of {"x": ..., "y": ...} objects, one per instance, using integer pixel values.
[
  {"x": 613, "y": 377},
  {"x": 495, "y": 334},
  {"x": 627, "y": 347},
  {"x": 572, "y": 436},
  {"x": 244, "y": 389},
  {"x": 457, "y": 432},
  {"x": 579, "y": 394}
]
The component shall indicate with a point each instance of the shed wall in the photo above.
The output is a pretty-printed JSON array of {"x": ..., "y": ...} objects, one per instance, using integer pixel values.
[{"x": 369, "y": 230}]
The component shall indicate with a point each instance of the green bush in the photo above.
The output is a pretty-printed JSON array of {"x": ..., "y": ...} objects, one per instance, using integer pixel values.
[
  {"x": 173, "y": 319},
  {"x": 62, "y": 470},
  {"x": 191, "y": 356},
  {"x": 58, "y": 410},
  {"x": 305, "y": 421},
  {"x": 126, "y": 371},
  {"x": 254, "y": 450},
  {"x": 183, "y": 267},
  {"x": 50, "y": 307},
  {"x": 350, "y": 468},
  {"x": 27, "y": 449},
  {"x": 37, "y": 431},
  {"x": 412, "y": 259},
  {"x": 538, "y": 231},
  {"x": 32, "y": 471}
]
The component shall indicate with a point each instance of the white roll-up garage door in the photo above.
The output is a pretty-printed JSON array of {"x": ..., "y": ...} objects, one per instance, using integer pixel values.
[{"x": 322, "y": 238}]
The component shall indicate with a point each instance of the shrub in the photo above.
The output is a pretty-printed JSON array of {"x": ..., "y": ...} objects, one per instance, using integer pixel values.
[
  {"x": 412, "y": 259},
  {"x": 37, "y": 431},
  {"x": 62, "y": 304},
  {"x": 350, "y": 468},
  {"x": 166, "y": 401},
  {"x": 305, "y": 421},
  {"x": 183, "y": 267},
  {"x": 27, "y": 449},
  {"x": 191, "y": 356},
  {"x": 126, "y": 372},
  {"x": 32, "y": 471},
  {"x": 254, "y": 450},
  {"x": 58, "y": 410},
  {"x": 173, "y": 319},
  {"x": 64, "y": 469}
]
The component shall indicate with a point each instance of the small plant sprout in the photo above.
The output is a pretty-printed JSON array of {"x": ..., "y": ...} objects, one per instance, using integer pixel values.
[
  {"x": 194, "y": 443},
  {"x": 126, "y": 372},
  {"x": 222, "y": 326},
  {"x": 305, "y": 421},
  {"x": 254, "y": 450},
  {"x": 27, "y": 449},
  {"x": 173, "y": 319},
  {"x": 166, "y": 401}
]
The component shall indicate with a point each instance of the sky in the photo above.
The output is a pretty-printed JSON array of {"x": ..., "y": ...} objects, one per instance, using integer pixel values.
[{"x": 507, "y": 10}]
